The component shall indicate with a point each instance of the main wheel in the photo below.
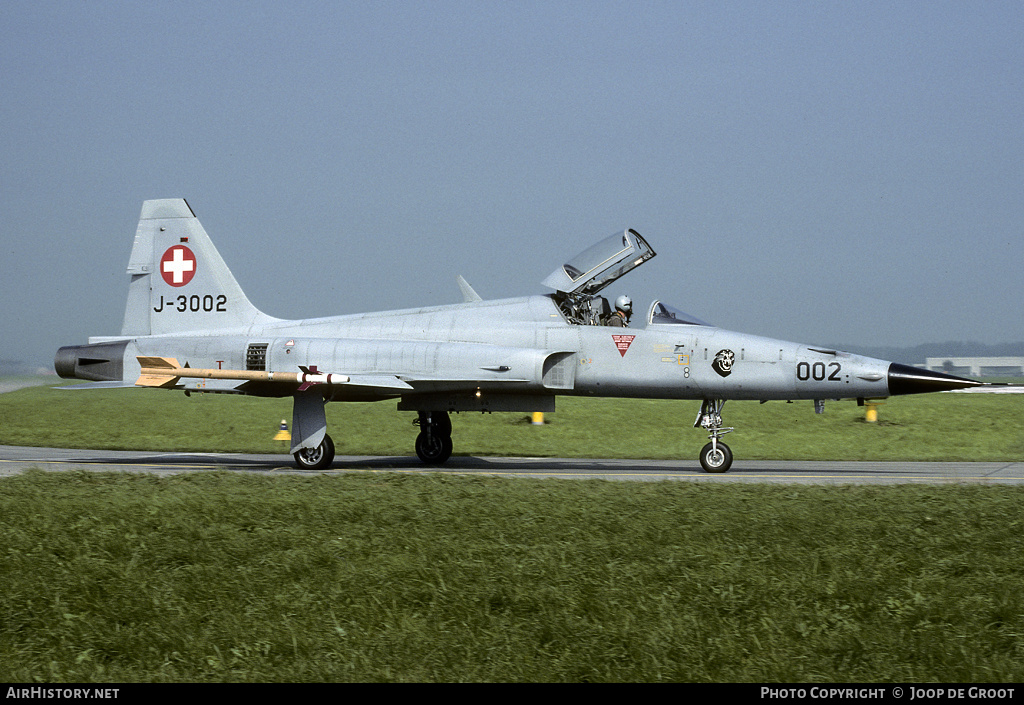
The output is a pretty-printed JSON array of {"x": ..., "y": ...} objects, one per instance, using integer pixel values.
[
  {"x": 715, "y": 460},
  {"x": 317, "y": 458},
  {"x": 433, "y": 449}
]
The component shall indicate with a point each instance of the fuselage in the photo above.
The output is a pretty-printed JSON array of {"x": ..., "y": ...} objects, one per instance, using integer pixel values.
[{"x": 521, "y": 345}]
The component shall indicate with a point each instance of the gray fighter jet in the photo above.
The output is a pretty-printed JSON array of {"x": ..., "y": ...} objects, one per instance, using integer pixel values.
[{"x": 189, "y": 327}]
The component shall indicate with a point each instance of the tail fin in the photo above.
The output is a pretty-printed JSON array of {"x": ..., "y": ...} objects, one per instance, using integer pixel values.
[{"x": 179, "y": 281}]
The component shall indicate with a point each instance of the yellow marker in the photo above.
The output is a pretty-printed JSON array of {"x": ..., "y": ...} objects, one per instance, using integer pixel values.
[
  {"x": 283, "y": 434},
  {"x": 871, "y": 415},
  {"x": 538, "y": 418}
]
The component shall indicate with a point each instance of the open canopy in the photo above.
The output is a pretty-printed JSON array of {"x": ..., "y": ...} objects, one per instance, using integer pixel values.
[{"x": 601, "y": 264}]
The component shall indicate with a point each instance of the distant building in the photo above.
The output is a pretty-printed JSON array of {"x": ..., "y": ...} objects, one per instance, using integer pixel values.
[{"x": 977, "y": 366}]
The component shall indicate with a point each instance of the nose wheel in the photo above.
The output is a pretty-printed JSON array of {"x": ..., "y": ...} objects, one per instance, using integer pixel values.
[{"x": 715, "y": 456}]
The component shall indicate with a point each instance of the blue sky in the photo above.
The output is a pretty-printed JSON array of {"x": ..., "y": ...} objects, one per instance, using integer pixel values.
[{"x": 831, "y": 173}]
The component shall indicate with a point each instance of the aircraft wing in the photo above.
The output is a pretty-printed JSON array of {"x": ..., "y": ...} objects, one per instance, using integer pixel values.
[
  {"x": 357, "y": 386},
  {"x": 390, "y": 382},
  {"x": 385, "y": 386}
]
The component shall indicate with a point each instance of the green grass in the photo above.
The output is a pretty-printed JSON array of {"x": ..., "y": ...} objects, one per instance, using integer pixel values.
[
  {"x": 233, "y": 577},
  {"x": 240, "y": 577},
  {"x": 966, "y": 427}
]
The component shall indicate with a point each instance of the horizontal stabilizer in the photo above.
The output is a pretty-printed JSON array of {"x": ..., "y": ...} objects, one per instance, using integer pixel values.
[{"x": 115, "y": 384}]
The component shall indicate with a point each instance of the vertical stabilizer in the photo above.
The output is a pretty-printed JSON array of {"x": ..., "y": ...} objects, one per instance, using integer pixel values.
[{"x": 178, "y": 280}]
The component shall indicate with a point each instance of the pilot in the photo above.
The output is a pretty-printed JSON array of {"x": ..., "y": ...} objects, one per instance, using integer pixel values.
[{"x": 623, "y": 312}]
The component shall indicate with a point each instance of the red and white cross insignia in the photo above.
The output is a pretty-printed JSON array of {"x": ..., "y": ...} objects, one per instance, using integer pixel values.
[
  {"x": 178, "y": 265},
  {"x": 622, "y": 342}
]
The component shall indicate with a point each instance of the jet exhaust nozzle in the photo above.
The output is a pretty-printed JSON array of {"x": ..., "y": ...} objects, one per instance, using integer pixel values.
[
  {"x": 904, "y": 379},
  {"x": 97, "y": 362}
]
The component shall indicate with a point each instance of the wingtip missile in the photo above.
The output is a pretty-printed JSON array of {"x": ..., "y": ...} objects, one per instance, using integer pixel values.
[{"x": 166, "y": 372}]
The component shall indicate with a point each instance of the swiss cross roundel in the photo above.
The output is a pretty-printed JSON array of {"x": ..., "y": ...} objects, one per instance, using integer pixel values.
[{"x": 178, "y": 265}]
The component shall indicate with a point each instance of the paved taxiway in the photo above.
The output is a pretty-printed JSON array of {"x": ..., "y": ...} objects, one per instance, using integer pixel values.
[{"x": 16, "y": 459}]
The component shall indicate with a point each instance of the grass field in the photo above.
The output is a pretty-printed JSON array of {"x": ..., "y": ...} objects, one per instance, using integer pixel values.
[
  {"x": 234, "y": 577},
  {"x": 980, "y": 427},
  {"x": 237, "y": 577}
]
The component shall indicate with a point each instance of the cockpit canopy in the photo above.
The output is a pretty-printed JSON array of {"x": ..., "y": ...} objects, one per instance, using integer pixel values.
[
  {"x": 578, "y": 281},
  {"x": 601, "y": 264}
]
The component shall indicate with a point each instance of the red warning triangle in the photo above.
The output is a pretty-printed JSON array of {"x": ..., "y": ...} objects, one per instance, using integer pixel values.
[{"x": 622, "y": 342}]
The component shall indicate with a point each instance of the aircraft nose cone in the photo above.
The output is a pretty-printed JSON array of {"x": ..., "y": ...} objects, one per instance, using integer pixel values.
[{"x": 904, "y": 379}]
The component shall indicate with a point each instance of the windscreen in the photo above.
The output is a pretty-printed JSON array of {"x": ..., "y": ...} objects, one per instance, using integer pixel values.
[{"x": 662, "y": 314}]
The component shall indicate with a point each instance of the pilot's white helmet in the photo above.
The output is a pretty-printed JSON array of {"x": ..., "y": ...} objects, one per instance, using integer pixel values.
[{"x": 624, "y": 303}]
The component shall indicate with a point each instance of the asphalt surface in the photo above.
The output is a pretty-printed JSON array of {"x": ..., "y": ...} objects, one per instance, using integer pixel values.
[{"x": 16, "y": 459}]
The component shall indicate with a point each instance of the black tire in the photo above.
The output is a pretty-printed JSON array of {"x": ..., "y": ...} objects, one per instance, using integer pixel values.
[
  {"x": 442, "y": 423},
  {"x": 433, "y": 449},
  {"x": 715, "y": 462},
  {"x": 318, "y": 458}
]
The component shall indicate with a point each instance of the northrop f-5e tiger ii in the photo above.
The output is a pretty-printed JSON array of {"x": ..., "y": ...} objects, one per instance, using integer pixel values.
[{"x": 188, "y": 326}]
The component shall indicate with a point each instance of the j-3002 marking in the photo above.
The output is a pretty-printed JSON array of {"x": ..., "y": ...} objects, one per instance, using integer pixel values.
[{"x": 194, "y": 304}]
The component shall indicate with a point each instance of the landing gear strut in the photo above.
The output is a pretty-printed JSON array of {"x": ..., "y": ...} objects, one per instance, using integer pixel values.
[
  {"x": 715, "y": 456},
  {"x": 434, "y": 443}
]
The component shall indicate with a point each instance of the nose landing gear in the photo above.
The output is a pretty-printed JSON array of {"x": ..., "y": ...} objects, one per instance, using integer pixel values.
[{"x": 715, "y": 456}]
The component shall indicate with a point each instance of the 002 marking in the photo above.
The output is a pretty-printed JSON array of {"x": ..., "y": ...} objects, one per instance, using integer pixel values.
[{"x": 818, "y": 371}]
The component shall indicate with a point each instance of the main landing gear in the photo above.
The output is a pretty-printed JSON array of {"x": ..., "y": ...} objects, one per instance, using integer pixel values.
[
  {"x": 434, "y": 443},
  {"x": 317, "y": 458},
  {"x": 715, "y": 456}
]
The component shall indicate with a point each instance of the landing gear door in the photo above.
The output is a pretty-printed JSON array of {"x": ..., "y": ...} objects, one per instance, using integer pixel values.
[{"x": 601, "y": 264}]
